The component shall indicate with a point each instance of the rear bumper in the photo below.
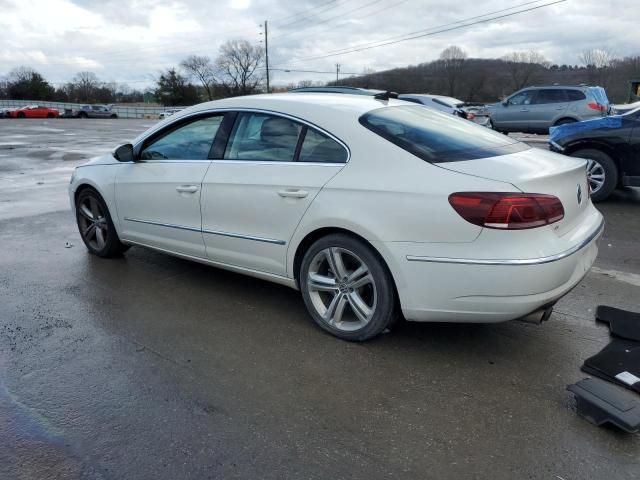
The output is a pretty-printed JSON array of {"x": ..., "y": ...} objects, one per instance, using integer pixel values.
[{"x": 447, "y": 289}]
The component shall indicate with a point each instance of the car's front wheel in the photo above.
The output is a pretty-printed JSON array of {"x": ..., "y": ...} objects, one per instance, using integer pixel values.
[
  {"x": 95, "y": 225},
  {"x": 347, "y": 288},
  {"x": 602, "y": 172}
]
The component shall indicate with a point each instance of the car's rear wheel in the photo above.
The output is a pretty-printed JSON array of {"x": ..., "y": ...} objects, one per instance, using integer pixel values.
[
  {"x": 113, "y": 115},
  {"x": 95, "y": 225},
  {"x": 347, "y": 288},
  {"x": 50, "y": 115},
  {"x": 20, "y": 115},
  {"x": 602, "y": 172},
  {"x": 83, "y": 115}
]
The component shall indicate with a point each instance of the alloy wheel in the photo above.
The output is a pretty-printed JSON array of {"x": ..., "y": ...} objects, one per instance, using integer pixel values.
[
  {"x": 93, "y": 224},
  {"x": 342, "y": 289},
  {"x": 595, "y": 175}
]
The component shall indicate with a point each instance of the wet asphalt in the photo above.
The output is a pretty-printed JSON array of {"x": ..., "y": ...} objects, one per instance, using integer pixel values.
[{"x": 152, "y": 367}]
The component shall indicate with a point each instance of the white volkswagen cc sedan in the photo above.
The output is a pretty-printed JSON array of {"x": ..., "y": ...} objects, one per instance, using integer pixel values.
[{"x": 371, "y": 207}]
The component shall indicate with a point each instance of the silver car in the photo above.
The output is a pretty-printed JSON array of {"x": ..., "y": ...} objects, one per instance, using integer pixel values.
[{"x": 535, "y": 109}]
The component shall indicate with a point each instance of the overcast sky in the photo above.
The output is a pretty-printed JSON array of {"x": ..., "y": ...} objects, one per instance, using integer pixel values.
[{"x": 130, "y": 41}]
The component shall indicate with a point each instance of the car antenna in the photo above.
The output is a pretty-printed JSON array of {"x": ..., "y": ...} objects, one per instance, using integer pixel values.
[{"x": 385, "y": 95}]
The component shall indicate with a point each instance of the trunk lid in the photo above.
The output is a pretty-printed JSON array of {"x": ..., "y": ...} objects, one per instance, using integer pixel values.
[{"x": 537, "y": 171}]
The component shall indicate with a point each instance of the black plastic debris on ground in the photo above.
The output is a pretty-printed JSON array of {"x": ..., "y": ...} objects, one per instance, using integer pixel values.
[
  {"x": 622, "y": 323},
  {"x": 602, "y": 403},
  {"x": 618, "y": 362}
]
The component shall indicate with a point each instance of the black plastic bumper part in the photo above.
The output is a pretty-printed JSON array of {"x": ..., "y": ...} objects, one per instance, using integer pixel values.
[{"x": 602, "y": 403}]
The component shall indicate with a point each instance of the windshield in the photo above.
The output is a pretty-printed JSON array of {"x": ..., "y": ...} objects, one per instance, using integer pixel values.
[{"x": 437, "y": 137}]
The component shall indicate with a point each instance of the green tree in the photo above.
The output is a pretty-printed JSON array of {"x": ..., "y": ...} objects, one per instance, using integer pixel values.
[
  {"x": 173, "y": 89},
  {"x": 24, "y": 83}
]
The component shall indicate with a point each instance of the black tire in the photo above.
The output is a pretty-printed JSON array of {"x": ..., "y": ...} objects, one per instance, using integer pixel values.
[
  {"x": 97, "y": 218},
  {"x": 610, "y": 172},
  {"x": 495, "y": 129},
  {"x": 20, "y": 115},
  {"x": 50, "y": 115},
  {"x": 564, "y": 121},
  {"x": 83, "y": 115},
  {"x": 378, "y": 292},
  {"x": 113, "y": 115}
]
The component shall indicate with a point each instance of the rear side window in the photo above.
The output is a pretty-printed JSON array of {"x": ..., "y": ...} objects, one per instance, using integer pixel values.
[
  {"x": 319, "y": 148},
  {"x": 263, "y": 137},
  {"x": 575, "y": 95},
  {"x": 436, "y": 137},
  {"x": 550, "y": 96}
]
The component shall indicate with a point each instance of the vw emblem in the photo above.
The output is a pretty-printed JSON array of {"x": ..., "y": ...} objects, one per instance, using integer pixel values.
[{"x": 579, "y": 194}]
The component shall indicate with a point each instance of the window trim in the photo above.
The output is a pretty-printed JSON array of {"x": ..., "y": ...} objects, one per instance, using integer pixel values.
[
  {"x": 172, "y": 127},
  {"x": 203, "y": 113}
]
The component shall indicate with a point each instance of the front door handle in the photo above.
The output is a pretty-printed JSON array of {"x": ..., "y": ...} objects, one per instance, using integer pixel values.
[
  {"x": 187, "y": 188},
  {"x": 524, "y": 110},
  {"x": 293, "y": 193}
]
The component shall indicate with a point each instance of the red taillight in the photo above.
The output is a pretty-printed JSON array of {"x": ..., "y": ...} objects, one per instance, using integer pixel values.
[
  {"x": 511, "y": 211},
  {"x": 596, "y": 106},
  {"x": 471, "y": 116}
]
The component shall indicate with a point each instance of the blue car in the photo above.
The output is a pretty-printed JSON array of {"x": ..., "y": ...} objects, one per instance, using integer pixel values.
[{"x": 611, "y": 146}]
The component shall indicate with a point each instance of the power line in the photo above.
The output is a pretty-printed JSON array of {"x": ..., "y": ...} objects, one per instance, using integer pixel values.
[
  {"x": 382, "y": 43},
  {"x": 331, "y": 18}
]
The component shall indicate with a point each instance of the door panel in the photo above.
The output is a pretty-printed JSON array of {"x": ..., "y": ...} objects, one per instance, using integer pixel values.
[
  {"x": 250, "y": 210},
  {"x": 158, "y": 197},
  {"x": 547, "y": 105},
  {"x": 158, "y": 204},
  {"x": 513, "y": 117}
]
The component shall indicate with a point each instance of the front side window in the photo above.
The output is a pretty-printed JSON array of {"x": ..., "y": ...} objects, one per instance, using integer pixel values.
[
  {"x": 319, "y": 148},
  {"x": 263, "y": 137},
  {"x": 436, "y": 137},
  {"x": 191, "y": 141},
  {"x": 522, "y": 98}
]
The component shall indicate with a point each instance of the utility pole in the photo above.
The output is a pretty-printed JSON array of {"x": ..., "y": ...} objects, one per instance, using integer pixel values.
[
  {"x": 337, "y": 72},
  {"x": 266, "y": 52}
]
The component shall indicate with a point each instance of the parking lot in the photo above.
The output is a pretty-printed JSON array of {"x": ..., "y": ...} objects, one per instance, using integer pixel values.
[{"x": 153, "y": 367}]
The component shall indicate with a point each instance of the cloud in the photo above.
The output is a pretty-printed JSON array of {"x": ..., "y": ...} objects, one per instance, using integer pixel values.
[{"x": 131, "y": 40}]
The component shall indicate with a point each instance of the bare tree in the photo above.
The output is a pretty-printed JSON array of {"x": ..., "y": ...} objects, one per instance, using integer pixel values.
[
  {"x": 239, "y": 65},
  {"x": 598, "y": 62},
  {"x": 452, "y": 61},
  {"x": 203, "y": 70},
  {"x": 85, "y": 84},
  {"x": 522, "y": 66}
]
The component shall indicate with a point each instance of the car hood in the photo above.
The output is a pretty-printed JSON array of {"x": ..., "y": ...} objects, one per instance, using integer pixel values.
[{"x": 556, "y": 134}]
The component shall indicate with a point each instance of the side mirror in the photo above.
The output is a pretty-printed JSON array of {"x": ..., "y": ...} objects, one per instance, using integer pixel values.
[
  {"x": 124, "y": 153},
  {"x": 505, "y": 103}
]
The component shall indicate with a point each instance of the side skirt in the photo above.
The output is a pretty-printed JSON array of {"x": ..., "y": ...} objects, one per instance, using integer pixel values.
[{"x": 270, "y": 277}]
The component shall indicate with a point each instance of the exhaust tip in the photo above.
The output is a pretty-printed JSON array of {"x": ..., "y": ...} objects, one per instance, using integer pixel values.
[{"x": 538, "y": 316}]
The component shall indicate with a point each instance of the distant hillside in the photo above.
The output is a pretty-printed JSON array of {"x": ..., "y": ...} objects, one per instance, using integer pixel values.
[{"x": 487, "y": 80}]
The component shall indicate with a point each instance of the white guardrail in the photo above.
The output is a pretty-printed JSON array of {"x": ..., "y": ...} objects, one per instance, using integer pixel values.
[{"x": 120, "y": 110}]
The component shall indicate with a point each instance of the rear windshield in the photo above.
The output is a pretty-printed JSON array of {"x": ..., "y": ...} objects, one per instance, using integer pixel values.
[{"x": 437, "y": 137}]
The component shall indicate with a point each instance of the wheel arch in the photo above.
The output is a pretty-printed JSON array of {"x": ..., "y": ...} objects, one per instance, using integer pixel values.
[
  {"x": 565, "y": 117},
  {"x": 593, "y": 145},
  {"x": 311, "y": 237}
]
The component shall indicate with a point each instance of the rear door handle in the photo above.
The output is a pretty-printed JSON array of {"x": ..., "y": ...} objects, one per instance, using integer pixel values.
[
  {"x": 187, "y": 188},
  {"x": 293, "y": 193},
  {"x": 524, "y": 110}
]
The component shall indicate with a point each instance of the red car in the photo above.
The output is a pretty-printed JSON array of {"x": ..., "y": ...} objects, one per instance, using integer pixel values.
[{"x": 33, "y": 111}]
